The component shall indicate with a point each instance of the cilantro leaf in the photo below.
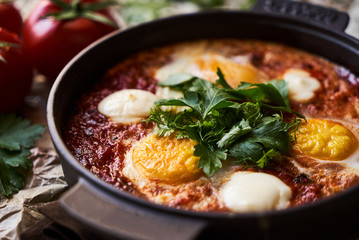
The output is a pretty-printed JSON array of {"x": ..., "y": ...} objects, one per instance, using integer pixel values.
[
  {"x": 269, "y": 136},
  {"x": 16, "y": 132},
  {"x": 214, "y": 99},
  {"x": 236, "y": 132},
  {"x": 272, "y": 135},
  {"x": 199, "y": 85},
  {"x": 282, "y": 87},
  {"x": 282, "y": 109},
  {"x": 273, "y": 91},
  {"x": 246, "y": 92},
  {"x": 251, "y": 112},
  {"x": 6, "y": 173},
  {"x": 16, "y": 158},
  {"x": 176, "y": 79},
  {"x": 210, "y": 159},
  {"x": 190, "y": 99},
  {"x": 202, "y": 97},
  {"x": 17, "y": 136},
  {"x": 11, "y": 181},
  {"x": 244, "y": 124},
  {"x": 263, "y": 161},
  {"x": 168, "y": 122},
  {"x": 246, "y": 151},
  {"x": 221, "y": 81}
]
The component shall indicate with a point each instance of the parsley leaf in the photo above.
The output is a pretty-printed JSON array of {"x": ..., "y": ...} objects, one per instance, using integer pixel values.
[
  {"x": 244, "y": 124},
  {"x": 273, "y": 92},
  {"x": 234, "y": 133},
  {"x": 176, "y": 79},
  {"x": 246, "y": 152},
  {"x": 221, "y": 81},
  {"x": 214, "y": 99},
  {"x": 210, "y": 159},
  {"x": 272, "y": 135},
  {"x": 263, "y": 161},
  {"x": 251, "y": 112},
  {"x": 17, "y": 136},
  {"x": 282, "y": 88},
  {"x": 16, "y": 132}
]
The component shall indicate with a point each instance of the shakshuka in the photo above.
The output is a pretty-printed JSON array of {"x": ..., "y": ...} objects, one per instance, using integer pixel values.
[{"x": 109, "y": 132}]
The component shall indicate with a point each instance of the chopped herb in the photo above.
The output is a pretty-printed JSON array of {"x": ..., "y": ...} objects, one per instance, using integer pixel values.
[
  {"x": 245, "y": 124},
  {"x": 17, "y": 136}
]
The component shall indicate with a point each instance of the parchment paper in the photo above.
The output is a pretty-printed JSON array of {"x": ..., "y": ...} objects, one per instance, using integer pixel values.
[{"x": 45, "y": 184}]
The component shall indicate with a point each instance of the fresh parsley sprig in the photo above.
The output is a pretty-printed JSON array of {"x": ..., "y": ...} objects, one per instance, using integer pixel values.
[
  {"x": 244, "y": 124},
  {"x": 17, "y": 136}
]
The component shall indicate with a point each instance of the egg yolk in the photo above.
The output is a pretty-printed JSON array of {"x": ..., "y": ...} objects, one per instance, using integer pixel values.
[
  {"x": 325, "y": 140},
  {"x": 166, "y": 159},
  {"x": 234, "y": 73}
]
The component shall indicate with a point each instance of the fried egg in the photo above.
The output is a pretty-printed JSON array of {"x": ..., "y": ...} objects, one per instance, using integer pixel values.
[
  {"x": 164, "y": 160},
  {"x": 301, "y": 86},
  {"x": 127, "y": 106},
  {"x": 197, "y": 60},
  {"x": 169, "y": 163},
  {"x": 165, "y": 169},
  {"x": 133, "y": 105},
  {"x": 330, "y": 141},
  {"x": 253, "y": 191},
  {"x": 326, "y": 140}
]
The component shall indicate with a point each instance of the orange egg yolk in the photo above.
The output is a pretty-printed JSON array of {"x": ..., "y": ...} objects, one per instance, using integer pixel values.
[
  {"x": 233, "y": 72},
  {"x": 326, "y": 140},
  {"x": 166, "y": 159}
]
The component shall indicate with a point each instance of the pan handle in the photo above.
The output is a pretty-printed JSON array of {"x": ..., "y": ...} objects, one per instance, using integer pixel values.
[
  {"x": 305, "y": 11},
  {"x": 122, "y": 220}
]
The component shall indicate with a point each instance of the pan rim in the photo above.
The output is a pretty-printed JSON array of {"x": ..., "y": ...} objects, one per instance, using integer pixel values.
[{"x": 110, "y": 190}]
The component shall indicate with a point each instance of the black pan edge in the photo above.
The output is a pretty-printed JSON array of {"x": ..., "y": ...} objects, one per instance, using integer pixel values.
[{"x": 58, "y": 94}]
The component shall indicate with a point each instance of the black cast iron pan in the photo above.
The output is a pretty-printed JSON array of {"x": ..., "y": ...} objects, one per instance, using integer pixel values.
[{"x": 117, "y": 214}]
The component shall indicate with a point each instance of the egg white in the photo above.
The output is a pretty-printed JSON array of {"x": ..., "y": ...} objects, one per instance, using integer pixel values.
[
  {"x": 222, "y": 195},
  {"x": 187, "y": 58},
  {"x": 253, "y": 191},
  {"x": 169, "y": 194},
  {"x": 301, "y": 85},
  {"x": 184, "y": 60}
]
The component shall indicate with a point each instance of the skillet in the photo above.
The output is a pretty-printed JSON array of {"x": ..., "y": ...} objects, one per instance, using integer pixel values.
[{"x": 119, "y": 215}]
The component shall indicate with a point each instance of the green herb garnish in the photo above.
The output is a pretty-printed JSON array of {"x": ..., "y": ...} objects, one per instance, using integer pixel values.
[
  {"x": 17, "y": 136},
  {"x": 244, "y": 124}
]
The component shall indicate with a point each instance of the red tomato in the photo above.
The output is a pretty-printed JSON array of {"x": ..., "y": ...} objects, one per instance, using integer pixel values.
[
  {"x": 10, "y": 17},
  {"x": 51, "y": 43},
  {"x": 15, "y": 73}
]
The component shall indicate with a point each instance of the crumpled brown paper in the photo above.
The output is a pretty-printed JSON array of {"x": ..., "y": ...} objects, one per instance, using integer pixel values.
[{"x": 45, "y": 184}]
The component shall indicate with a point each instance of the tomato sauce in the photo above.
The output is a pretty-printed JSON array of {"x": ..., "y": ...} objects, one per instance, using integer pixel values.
[{"x": 100, "y": 145}]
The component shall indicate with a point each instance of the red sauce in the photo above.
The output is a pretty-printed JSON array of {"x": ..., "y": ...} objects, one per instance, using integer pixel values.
[
  {"x": 101, "y": 145},
  {"x": 98, "y": 143}
]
